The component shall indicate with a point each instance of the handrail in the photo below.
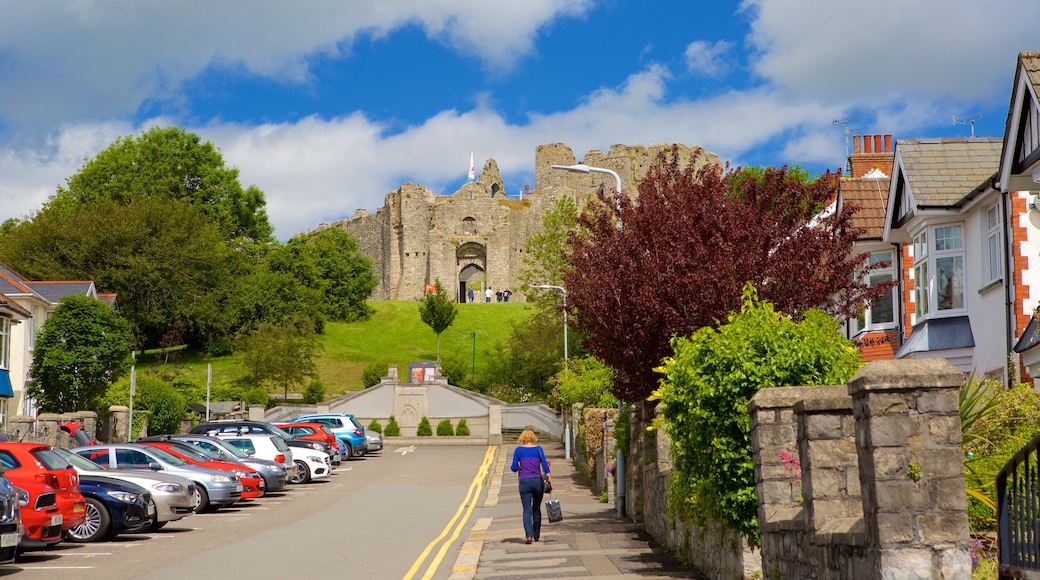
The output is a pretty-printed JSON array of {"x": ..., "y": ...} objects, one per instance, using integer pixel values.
[{"x": 1018, "y": 514}]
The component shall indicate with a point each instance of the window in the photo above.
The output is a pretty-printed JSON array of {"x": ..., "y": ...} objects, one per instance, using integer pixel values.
[
  {"x": 5, "y": 343},
  {"x": 939, "y": 270},
  {"x": 992, "y": 262},
  {"x": 882, "y": 312}
]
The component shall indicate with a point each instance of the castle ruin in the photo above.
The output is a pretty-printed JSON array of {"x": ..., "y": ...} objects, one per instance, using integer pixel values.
[{"x": 476, "y": 237}]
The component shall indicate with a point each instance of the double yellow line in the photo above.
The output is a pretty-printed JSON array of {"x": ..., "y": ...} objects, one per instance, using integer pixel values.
[{"x": 467, "y": 505}]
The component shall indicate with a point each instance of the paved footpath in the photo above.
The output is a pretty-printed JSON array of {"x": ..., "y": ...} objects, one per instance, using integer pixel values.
[{"x": 590, "y": 542}]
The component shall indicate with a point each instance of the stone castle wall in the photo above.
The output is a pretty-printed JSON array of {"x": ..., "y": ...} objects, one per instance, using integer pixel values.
[{"x": 477, "y": 234}]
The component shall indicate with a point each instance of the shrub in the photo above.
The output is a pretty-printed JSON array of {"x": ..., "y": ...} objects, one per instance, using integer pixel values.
[
  {"x": 372, "y": 374},
  {"x": 444, "y": 429},
  {"x": 424, "y": 429},
  {"x": 314, "y": 393},
  {"x": 392, "y": 428},
  {"x": 165, "y": 405},
  {"x": 462, "y": 430},
  {"x": 375, "y": 427}
]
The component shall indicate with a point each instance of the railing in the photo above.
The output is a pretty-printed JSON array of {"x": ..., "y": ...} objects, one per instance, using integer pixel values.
[{"x": 1018, "y": 514}]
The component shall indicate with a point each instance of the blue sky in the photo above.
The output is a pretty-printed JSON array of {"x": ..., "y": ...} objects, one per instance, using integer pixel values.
[{"x": 329, "y": 105}]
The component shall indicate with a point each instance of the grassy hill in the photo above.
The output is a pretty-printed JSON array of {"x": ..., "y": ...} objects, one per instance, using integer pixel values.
[{"x": 393, "y": 335}]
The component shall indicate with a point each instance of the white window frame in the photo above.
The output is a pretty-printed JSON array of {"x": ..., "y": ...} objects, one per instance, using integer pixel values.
[
  {"x": 5, "y": 343},
  {"x": 992, "y": 246},
  {"x": 934, "y": 247},
  {"x": 866, "y": 320}
]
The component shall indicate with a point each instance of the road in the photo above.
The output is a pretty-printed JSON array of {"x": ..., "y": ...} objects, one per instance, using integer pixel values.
[{"x": 387, "y": 516}]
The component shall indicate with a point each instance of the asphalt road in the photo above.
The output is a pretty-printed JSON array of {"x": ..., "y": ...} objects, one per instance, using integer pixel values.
[{"x": 373, "y": 519}]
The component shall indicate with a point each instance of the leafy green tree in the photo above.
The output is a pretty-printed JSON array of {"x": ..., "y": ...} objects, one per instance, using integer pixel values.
[
  {"x": 373, "y": 373},
  {"x": 438, "y": 312},
  {"x": 169, "y": 163},
  {"x": 585, "y": 380},
  {"x": 329, "y": 263},
  {"x": 83, "y": 347},
  {"x": 281, "y": 353},
  {"x": 708, "y": 382},
  {"x": 392, "y": 428},
  {"x": 374, "y": 427},
  {"x": 258, "y": 294},
  {"x": 314, "y": 393},
  {"x": 528, "y": 360},
  {"x": 166, "y": 406},
  {"x": 547, "y": 252}
]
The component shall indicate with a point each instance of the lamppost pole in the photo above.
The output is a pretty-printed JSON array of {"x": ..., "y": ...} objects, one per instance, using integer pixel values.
[
  {"x": 566, "y": 420},
  {"x": 582, "y": 168}
]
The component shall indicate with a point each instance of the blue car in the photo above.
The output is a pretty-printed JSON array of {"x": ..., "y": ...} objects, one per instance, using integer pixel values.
[
  {"x": 347, "y": 430},
  {"x": 113, "y": 507}
]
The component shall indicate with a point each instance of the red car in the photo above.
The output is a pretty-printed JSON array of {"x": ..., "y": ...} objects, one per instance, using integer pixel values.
[
  {"x": 28, "y": 465},
  {"x": 310, "y": 431},
  {"x": 253, "y": 485},
  {"x": 41, "y": 519}
]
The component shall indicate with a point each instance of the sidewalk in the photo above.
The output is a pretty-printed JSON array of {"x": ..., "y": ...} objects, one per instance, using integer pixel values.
[{"x": 590, "y": 542}]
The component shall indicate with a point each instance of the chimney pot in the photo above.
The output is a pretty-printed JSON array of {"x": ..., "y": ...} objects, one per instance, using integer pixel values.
[
  {"x": 856, "y": 148},
  {"x": 877, "y": 144},
  {"x": 888, "y": 143}
]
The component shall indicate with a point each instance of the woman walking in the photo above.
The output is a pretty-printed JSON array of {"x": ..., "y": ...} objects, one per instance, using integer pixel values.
[{"x": 529, "y": 459}]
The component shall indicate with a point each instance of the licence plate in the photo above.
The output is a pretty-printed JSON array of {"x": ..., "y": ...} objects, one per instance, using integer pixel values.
[
  {"x": 8, "y": 540},
  {"x": 56, "y": 520}
]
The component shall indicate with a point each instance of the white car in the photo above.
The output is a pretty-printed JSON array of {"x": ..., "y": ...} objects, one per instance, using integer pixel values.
[{"x": 264, "y": 446}]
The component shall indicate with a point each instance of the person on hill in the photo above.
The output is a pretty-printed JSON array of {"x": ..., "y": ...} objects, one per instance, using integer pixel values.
[{"x": 530, "y": 462}]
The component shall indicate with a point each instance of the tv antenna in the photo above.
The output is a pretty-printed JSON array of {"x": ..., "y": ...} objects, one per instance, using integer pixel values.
[
  {"x": 848, "y": 132},
  {"x": 969, "y": 120}
]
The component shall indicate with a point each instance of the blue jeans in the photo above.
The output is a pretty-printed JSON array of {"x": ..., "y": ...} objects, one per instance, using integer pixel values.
[{"x": 531, "y": 499}]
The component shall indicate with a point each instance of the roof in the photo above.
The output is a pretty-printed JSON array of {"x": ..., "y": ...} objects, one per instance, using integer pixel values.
[
  {"x": 941, "y": 172},
  {"x": 55, "y": 290},
  {"x": 938, "y": 334},
  {"x": 1027, "y": 74},
  {"x": 10, "y": 309},
  {"x": 871, "y": 195},
  {"x": 11, "y": 282},
  {"x": 1029, "y": 338}
]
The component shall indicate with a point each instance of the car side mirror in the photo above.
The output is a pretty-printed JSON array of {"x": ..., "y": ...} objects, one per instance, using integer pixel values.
[{"x": 154, "y": 466}]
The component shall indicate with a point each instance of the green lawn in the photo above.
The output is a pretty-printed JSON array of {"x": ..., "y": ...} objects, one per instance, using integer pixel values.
[{"x": 394, "y": 335}]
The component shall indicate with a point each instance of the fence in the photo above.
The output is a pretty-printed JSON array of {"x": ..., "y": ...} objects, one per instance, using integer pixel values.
[{"x": 1018, "y": 514}]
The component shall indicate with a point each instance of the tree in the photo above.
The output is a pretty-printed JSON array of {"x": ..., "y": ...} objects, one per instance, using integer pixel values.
[
  {"x": 329, "y": 263},
  {"x": 83, "y": 347},
  {"x": 170, "y": 163},
  {"x": 680, "y": 255},
  {"x": 438, "y": 313},
  {"x": 587, "y": 381},
  {"x": 709, "y": 379},
  {"x": 281, "y": 353}
]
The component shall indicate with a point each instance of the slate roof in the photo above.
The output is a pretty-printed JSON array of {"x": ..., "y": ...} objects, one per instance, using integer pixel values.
[
  {"x": 54, "y": 291},
  {"x": 871, "y": 195},
  {"x": 12, "y": 282},
  {"x": 941, "y": 172}
]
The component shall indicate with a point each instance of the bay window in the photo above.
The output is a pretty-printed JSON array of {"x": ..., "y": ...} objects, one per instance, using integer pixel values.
[{"x": 939, "y": 270}]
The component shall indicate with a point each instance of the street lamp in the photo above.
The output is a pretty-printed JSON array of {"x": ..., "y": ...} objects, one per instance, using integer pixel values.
[
  {"x": 566, "y": 421},
  {"x": 582, "y": 168}
]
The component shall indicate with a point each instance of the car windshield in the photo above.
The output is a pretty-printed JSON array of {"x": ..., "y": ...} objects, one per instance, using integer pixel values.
[
  {"x": 193, "y": 452},
  {"x": 80, "y": 463},
  {"x": 224, "y": 445},
  {"x": 167, "y": 457}
]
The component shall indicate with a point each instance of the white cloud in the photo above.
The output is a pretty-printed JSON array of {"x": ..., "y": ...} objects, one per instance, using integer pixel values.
[{"x": 706, "y": 58}]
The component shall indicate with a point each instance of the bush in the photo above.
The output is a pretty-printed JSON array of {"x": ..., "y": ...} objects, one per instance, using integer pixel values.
[
  {"x": 375, "y": 427},
  {"x": 314, "y": 393},
  {"x": 166, "y": 406},
  {"x": 424, "y": 429},
  {"x": 373, "y": 373},
  {"x": 392, "y": 428},
  {"x": 444, "y": 429},
  {"x": 456, "y": 370},
  {"x": 462, "y": 430}
]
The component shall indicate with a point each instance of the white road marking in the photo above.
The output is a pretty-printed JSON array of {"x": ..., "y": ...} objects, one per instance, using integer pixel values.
[{"x": 405, "y": 450}]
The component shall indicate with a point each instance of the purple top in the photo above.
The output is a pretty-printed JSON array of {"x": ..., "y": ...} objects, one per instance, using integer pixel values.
[{"x": 530, "y": 461}]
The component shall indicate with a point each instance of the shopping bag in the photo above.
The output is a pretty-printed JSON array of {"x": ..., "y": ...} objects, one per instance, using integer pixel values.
[
  {"x": 553, "y": 509},
  {"x": 546, "y": 484}
]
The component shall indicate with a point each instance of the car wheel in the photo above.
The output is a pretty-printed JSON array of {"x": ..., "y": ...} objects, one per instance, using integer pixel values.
[
  {"x": 302, "y": 474},
  {"x": 94, "y": 527},
  {"x": 156, "y": 526},
  {"x": 348, "y": 452},
  {"x": 201, "y": 499}
]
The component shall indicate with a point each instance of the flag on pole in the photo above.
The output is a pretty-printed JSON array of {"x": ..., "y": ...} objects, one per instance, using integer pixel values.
[{"x": 472, "y": 174}]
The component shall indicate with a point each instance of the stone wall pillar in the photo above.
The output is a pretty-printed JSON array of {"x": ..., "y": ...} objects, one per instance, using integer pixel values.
[
  {"x": 911, "y": 468},
  {"x": 120, "y": 426},
  {"x": 19, "y": 426},
  {"x": 257, "y": 412},
  {"x": 47, "y": 427},
  {"x": 494, "y": 424}
]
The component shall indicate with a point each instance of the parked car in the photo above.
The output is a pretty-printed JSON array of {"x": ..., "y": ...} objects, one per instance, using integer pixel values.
[
  {"x": 247, "y": 426},
  {"x": 113, "y": 507},
  {"x": 345, "y": 427},
  {"x": 264, "y": 446},
  {"x": 213, "y": 488},
  {"x": 41, "y": 518},
  {"x": 274, "y": 474},
  {"x": 10, "y": 521},
  {"x": 173, "y": 496},
  {"x": 314, "y": 432},
  {"x": 375, "y": 441},
  {"x": 252, "y": 484},
  {"x": 23, "y": 462},
  {"x": 309, "y": 464}
]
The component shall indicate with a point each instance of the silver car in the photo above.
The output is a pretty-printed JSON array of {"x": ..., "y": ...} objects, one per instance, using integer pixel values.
[
  {"x": 174, "y": 496},
  {"x": 274, "y": 474},
  {"x": 213, "y": 488}
]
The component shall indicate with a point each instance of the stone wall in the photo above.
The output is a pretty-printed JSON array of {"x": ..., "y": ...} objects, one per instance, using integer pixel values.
[
  {"x": 863, "y": 481},
  {"x": 478, "y": 235}
]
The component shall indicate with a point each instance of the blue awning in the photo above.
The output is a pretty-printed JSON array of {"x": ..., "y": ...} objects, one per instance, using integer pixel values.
[
  {"x": 937, "y": 335},
  {"x": 1029, "y": 337},
  {"x": 5, "y": 384}
]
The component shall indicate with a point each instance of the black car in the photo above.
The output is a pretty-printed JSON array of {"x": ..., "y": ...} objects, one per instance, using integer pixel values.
[
  {"x": 113, "y": 507},
  {"x": 244, "y": 426}
]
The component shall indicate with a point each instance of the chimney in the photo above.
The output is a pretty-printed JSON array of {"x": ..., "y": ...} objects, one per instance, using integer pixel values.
[{"x": 876, "y": 152}]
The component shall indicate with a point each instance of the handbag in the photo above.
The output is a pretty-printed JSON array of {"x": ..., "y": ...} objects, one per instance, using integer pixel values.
[
  {"x": 546, "y": 484},
  {"x": 553, "y": 509}
]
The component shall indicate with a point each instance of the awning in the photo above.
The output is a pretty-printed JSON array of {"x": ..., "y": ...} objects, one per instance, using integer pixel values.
[
  {"x": 937, "y": 335},
  {"x": 5, "y": 384},
  {"x": 1029, "y": 337}
]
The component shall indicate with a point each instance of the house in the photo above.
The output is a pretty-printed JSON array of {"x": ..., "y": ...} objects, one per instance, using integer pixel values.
[
  {"x": 37, "y": 299},
  {"x": 11, "y": 314}
]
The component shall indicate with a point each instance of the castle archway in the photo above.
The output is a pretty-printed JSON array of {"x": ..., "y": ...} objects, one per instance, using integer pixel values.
[{"x": 471, "y": 259}]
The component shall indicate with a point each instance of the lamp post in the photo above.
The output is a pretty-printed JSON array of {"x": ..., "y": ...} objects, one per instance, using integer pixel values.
[
  {"x": 566, "y": 420},
  {"x": 582, "y": 168}
]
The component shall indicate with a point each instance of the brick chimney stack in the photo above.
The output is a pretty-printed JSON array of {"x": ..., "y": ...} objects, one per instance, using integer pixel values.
[{"x": 871, "y": 152}]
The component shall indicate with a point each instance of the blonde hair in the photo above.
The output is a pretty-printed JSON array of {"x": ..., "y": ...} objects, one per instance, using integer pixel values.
[{"x": 526, "y": 437}]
